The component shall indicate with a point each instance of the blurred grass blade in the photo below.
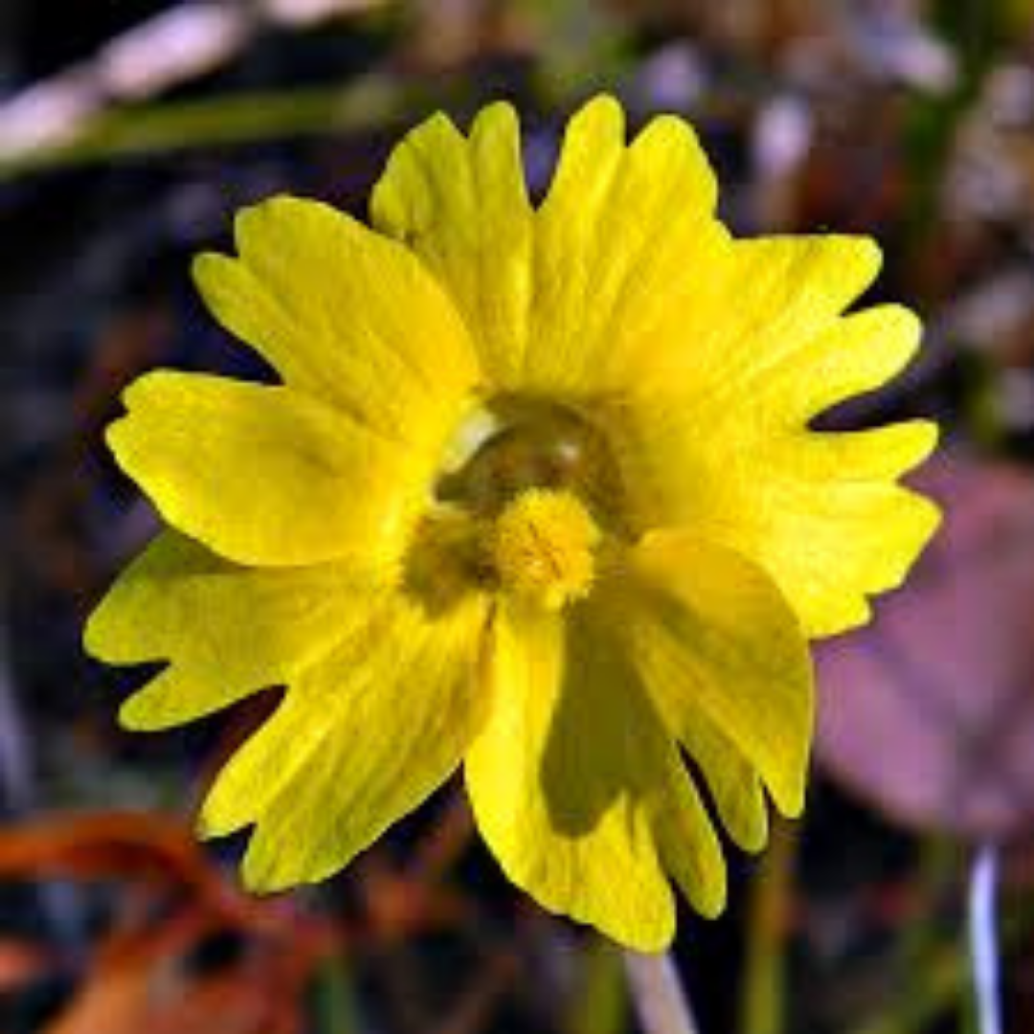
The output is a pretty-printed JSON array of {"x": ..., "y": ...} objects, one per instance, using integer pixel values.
[
  {"x": 219, "y": 121},
  {"x": 763, "y": 984},
  {"x": 600, "y": 1003}
]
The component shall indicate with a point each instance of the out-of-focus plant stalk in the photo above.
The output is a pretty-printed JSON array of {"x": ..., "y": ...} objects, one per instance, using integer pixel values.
[
  {"x": 335, "y": 998},
  {"x": 660, "y": 1000},
  {"x": 983, "y": 940},
  {"x": 600, "y": 1002},
  {"x": 763, "y": 996}
]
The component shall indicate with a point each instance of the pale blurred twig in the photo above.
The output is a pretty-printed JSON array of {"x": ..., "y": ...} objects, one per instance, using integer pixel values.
[
  {"x": 660, "y": 999},
  {"x": 983, "y": 940},
  {"x": 187, "y": 41},
  {"x": 222, "y": 121}
]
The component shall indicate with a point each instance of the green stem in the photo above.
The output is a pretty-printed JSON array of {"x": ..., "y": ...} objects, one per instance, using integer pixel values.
[
  {"x": 661, "y": 1001},
  {"x": 600, "y": 1003},
  {"x": 335, "y": 998},
  {"x": 763, "y": 1001}
]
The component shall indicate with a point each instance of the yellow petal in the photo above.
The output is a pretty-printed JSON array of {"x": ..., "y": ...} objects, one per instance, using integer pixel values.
[
  {"x": 571, "y": 776},
  {"x": 722, "y": 445},
  {"x": 757, "y": 302},
  {"x": 734, "y": 784},
  {"x": 686, "y": 840},
  {"x": 623, "y": 243},
  {"x": 343, "y": 314},
  {"x": 826, "y": 459},
  {"x": 710, "y": 632},
  {"x": 830, "y": 546},
  {"x": 226, "y": 631},
  {"x": 573, "y": 297},
  {"x": 361, "y": 739},
  {"x": 461, "y": 205},
  {"x": 854, "y": 355},
  {"x": 819, "y": 512},
  {"x": 264, "y": 475}
]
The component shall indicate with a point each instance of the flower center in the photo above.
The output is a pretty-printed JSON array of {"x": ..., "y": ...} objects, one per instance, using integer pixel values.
[
  {"x": 542, "y": 547},
  {"x": 526, "y": 497},
  {"x": 519, "y": 444}
]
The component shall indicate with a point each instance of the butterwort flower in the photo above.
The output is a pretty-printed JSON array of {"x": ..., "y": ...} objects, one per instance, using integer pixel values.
[{"x": 536, "y": 497}]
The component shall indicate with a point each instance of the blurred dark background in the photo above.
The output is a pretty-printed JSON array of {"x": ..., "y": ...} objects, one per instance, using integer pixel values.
[{"x": 131, "y": 130}]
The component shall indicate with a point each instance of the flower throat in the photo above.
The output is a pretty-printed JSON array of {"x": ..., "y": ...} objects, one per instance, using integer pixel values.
[{"x": 517, "y": 445}]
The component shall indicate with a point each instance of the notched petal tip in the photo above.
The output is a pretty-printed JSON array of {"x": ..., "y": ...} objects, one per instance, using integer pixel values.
[
  {"x": 217, "y": 818},
  {"x": 702, "y": 877},
  {"x": 859, "y": 354},
  {"x": 790, "y": 803},
  {"x": 596, "y": 131},
  {"x": 789, "y": 797},
  {"x": 134, "y": 715},
  {"x": 711, "y": 899},
  {"x": 498, "y": 116},
  {"x": 434, "y": 131},
  {"x": 208, "y": 271},
  {"x": 649, "y": 941},
  {"x": 602, "y": 106},
  {"x": 756, "y": 841},
  {"x": 252, "y": 219},
  {"x": 598, "y": 126},
  {"x": 204, "y": 830},
  {"x": 835, "y": 268},
  {"x": 669, "y": 142},
  {"x": 97, "y": 639},
  {"x": 257, "y": 874},
  {"x": 923, "y": 437},
  {"x": 789, "y": 790},
  {"x": 150, "y": 386},
  {"x": 122, "y": 435},
  {"x": 863, "y": 250},
  {"x": 923, "y": 520},
  {"x": 649, "y": 931},
  {"x": 903, "y": 323},
  {"x": 863, "y": 258},
  {"x": 164, "y": 703},
  {"x": 436, "y": 122},
  {"x": 400, "y": 203},
  {"x": 119, "y": 440},
  {"x": 265, "y": 871},
  {"x": 258, "y": 880},
  {"x": 275, "y": 864}
]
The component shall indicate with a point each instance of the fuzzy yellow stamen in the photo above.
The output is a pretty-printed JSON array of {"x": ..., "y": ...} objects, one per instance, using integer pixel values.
[{"x": 543, "y": 545}]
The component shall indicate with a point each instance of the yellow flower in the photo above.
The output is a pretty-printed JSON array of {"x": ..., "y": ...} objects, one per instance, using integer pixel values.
[{"x": 537, "y": 496}]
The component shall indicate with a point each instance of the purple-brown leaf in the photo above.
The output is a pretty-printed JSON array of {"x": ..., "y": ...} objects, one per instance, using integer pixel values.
[{"x": 929, "y": 713}]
